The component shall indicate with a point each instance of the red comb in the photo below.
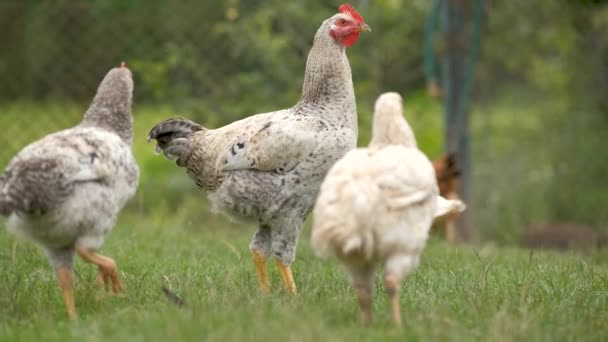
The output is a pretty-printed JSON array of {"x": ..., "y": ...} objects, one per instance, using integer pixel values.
[
  {"x": 350, "y": 10},
  {"x": 123, "y": 64}
]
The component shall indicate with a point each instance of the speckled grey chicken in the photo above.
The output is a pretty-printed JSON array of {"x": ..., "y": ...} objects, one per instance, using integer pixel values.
[
  {"x": 267, "y": 168},
  {"x": 65, "y": 191},
  {"x": 377, "y": 205}
]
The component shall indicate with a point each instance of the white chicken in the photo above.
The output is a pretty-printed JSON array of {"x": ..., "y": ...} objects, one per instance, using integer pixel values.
[
  {"x": 65, "y": 190},
  {"x": 376, "y": 205}
]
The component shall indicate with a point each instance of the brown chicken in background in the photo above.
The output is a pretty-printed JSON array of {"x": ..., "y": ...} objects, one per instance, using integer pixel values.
[{"x": 448, "y": 175}]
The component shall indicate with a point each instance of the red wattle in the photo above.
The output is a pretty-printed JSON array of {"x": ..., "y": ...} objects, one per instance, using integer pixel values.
[{"x": 350, "y": 39}]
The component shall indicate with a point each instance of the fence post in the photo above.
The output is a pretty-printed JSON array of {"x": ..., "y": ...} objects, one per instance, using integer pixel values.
[{"x": 458, "y": 71}]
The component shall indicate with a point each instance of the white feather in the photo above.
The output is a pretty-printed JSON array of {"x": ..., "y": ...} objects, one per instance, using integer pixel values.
[{"x": 377, "y": 204}]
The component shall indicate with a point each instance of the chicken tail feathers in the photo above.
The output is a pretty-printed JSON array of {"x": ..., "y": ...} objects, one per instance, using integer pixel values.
[
  {"x": 172, "y": 136},
  {"x": 336, "y": 228},
  {"x": 446, "y": 206}
]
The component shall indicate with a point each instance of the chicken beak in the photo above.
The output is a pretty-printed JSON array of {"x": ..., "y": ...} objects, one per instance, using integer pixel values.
[{"x": 364, "y": 27}]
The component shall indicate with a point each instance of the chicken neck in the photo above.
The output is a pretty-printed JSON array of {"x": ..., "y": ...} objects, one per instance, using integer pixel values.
[
  {"x": 111, "y": 107},
  {"x": 328, "y": 86}
]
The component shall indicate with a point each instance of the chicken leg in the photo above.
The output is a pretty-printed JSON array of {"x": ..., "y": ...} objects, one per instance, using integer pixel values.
[
  {"x": 108, "y": 273},
  {"x": 450, "y": 233},
  {"x": 259, "y": 260},
  {"x": 65, "y": 275},
  {"x": 364, "y": 294},
  {"x": 391, "y": 285},
  {"x": 287, "y": 276},
  {"x": 362, "y": 281}
]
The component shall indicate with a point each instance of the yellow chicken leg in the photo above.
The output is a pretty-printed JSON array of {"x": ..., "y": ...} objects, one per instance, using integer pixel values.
[
  {"x": 391, "y": 285},
  {"x": 65, "y": 275},
  {"x": 260, "y": 266},
  {"x": 108, "y": 272},
  {"x": 287, "y": 276}
]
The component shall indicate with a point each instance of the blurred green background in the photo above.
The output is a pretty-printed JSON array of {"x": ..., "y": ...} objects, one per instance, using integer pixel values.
[{"x": 539, "y": 110}]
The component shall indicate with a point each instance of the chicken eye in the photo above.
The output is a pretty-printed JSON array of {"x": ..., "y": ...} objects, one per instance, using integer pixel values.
[{"x": 342, "y": 22}]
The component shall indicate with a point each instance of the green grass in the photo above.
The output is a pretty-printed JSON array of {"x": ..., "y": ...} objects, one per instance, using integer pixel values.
[
  {"x": 168, "y": 236},
  {"x": 463, "y": 294}
]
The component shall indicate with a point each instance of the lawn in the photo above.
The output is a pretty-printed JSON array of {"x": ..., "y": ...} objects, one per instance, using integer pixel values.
[
  {"x": 459, "y": 293},
  {"x": 167, "y": 236}
]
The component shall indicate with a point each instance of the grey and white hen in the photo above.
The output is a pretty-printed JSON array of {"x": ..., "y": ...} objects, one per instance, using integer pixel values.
[
  {"x": 267, "y": 168},
  {"x": 66, "y": 190}
]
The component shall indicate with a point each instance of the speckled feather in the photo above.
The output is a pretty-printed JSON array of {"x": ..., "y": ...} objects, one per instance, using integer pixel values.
[
  {"x": 68, "y": 188},
  {"x": 267, "y": 168}
]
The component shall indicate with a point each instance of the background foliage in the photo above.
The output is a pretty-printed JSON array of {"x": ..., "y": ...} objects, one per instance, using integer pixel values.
[{"x": 539, "y": 114}]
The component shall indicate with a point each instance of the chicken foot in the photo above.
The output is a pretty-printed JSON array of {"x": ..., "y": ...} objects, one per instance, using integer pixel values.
[{"x": 108, "y": 272}]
